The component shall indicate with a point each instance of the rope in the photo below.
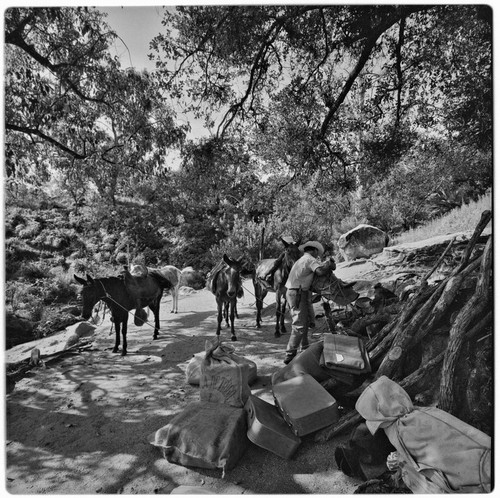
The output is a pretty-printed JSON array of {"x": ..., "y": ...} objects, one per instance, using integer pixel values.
[
  {"x": 108, "y": 296},
  {"x": 321, "y": 330}
]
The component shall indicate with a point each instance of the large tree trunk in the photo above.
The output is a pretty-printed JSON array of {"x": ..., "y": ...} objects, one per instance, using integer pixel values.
[
  {"x": 470, "y": 313},
  {"x": 423, "y": 315}
]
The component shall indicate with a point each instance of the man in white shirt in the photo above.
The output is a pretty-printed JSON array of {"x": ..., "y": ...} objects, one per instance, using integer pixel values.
[{"x": 298, "y": 294}]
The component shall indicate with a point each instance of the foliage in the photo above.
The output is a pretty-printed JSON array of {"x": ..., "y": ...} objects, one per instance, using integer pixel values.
[
  {"x": 314, "y": 80},
  {"x": 69, "y": 106},
  {"x": 413, "y": 190},
  {"x": 460, "y": 219}
]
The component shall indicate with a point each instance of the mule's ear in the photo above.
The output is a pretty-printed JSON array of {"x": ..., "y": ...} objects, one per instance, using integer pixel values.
[
  {"x": 79, "y": 280},
  {"x": 90, "y": 280},
  {"x": 227, "y": 259}
]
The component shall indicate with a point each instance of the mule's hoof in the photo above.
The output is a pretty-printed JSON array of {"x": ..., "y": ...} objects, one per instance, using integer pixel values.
[
  {"x": 233, "y": 338},
  {"x": 124, "y": 353},
  {"x": 277, "y": 334},
  {"x": 115, "y": 350},
  {"x": 155, "y": 337}
]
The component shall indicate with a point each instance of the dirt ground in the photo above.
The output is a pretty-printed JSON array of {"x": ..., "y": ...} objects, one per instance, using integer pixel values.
[{"x": 81, "y": 425}]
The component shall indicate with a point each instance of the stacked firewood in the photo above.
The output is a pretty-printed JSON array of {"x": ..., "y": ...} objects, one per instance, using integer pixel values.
[{"x": 427, "y": 342}]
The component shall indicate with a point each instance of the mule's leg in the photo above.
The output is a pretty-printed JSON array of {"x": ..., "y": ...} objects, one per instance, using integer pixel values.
[
  {"x": 124, "y": 336},
  {"x": 220, "y": 304},
  {"x": 226, "y": 313},
  {"x": 282, "y": 319},
  {"x": 233, "y": 313},
  {"x": 260, "y": 294},
  {"x": 117, "y": 323},
  {"x": 277, "y": 330},
  {"x": 236, "y": 309},
  {"x": 174, "y": 299},
  {"x": 155, "y": 308}
]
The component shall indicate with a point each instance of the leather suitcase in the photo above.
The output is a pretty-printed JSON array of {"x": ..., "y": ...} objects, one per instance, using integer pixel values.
[
  {"x": 305, "y": 404},
  {"x": 268, "y": 429},
  {"x": 345, "y": 353}
]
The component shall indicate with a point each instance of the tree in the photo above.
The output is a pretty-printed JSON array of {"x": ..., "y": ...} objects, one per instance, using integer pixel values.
[
  {"x": 64, "y": 90},
  {"x": 320, "y": 81}
]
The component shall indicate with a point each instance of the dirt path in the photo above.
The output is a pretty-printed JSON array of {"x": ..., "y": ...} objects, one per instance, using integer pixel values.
[{"x": 81, "y": 425}]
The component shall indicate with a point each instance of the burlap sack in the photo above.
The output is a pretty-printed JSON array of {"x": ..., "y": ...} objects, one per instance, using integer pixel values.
[
  {"x": 222, "y": 379},
  {"x": 206, "y": 435}
]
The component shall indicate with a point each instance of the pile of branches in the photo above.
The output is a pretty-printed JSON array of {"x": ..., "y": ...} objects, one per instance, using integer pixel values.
[{"x": 430, "y": 311}]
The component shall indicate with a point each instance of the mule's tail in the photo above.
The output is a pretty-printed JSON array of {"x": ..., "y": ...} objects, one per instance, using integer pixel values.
[{"x": 163, "y": 282}]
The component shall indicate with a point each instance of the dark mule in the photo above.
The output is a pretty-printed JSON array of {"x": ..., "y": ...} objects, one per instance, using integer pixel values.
[
  {"x": 114, "y": 293},
  {"x": 226, "y": 285},
  {"x": 291, "y": 254},
  {"x": 332, "y": 288}
]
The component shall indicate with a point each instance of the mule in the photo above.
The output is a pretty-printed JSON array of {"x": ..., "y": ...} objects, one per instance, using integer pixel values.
[
  {"x": 291, "y": 255},
  {"x": 173, "y": 274},
  {"x": 114, "y": 292},
  {"x": 330, "y": 287},
  {"x": 225, "y": 284}
]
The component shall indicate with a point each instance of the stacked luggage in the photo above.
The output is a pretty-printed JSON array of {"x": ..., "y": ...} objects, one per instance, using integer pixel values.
[{"x": 214, "y": 432}]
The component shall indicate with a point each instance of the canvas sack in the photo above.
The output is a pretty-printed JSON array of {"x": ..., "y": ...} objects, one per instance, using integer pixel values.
[
  {"x": 223, "y": 380},
  {"x": 441, "y": 448},
  {"x": 206, "y": 435},
  {"x": 193, "y": 369}
]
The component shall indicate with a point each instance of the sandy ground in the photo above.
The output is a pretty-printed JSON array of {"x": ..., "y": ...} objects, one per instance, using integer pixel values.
[{"x": 81, "y": 425}]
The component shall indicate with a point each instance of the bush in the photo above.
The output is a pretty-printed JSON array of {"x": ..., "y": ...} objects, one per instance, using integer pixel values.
[
  {"x": 28, "y": 231},
  {"x": 33, "y": 271},
  {"x": 60, "y": 291}
]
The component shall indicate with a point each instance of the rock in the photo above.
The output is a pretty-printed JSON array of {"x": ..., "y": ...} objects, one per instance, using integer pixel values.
[
  {"x": 362, "y": 242},
  {"x": 35, "y": 357},
  {"x": 77, "y": 331},
  {"x": 72, "y": 341},
  {"x": 82, "y": 329}
]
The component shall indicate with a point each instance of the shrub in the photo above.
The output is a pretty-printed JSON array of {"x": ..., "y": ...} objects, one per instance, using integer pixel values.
[
  {"x": 60, "y": 291},
  {"x": 33, "y": 270},
  {"x": 28, "y": 231}
]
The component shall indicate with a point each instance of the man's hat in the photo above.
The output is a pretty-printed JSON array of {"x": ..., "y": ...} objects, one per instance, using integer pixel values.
[{"x": 315, "y": 244}]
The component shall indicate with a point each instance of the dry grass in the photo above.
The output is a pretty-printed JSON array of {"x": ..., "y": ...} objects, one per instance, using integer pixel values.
[{"x": 460, "y": 219}]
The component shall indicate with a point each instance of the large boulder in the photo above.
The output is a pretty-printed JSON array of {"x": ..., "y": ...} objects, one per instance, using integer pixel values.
[{"x": 362, "y": 242}]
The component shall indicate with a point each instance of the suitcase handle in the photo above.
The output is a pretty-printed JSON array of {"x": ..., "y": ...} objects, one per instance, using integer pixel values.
[{"x": 250, "y": 410}]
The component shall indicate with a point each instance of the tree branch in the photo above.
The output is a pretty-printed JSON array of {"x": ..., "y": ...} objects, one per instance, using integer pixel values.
[
  {"x": 47, "y": 138},
  {"x": 369, "y": 45}
]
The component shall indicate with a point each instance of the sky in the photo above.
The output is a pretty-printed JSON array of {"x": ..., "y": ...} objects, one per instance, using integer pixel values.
[{"x": 136, "y": 26}]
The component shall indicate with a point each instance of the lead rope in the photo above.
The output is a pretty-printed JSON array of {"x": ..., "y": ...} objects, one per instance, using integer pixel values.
[{"x": 107, "y": 296}]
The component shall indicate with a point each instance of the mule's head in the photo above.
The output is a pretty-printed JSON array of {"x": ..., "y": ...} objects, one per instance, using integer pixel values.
[
  {"x": 292, "y": 252},
  {"x": 330, "y": 287},
  {"x": 233, "y": 276},
  {"x": 89, "y": 295}
]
